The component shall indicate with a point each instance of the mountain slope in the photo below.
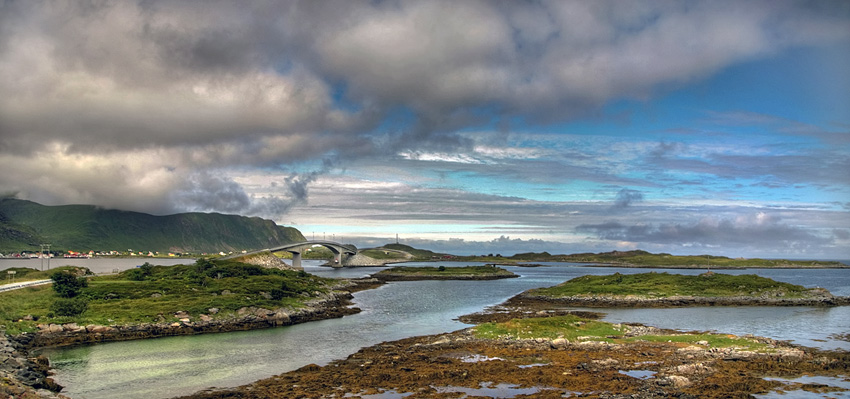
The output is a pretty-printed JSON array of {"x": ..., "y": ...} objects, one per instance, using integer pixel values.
[{"x": 25, "y": 224}]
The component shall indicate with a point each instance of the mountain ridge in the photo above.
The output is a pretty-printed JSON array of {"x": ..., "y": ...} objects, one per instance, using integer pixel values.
[{"x": 24, "y": 225}]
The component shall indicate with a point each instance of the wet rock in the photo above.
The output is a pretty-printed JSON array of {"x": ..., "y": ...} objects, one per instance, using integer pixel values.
[
  {"x": 677, "y": 381},
  {"x": 693, "y": 368}
]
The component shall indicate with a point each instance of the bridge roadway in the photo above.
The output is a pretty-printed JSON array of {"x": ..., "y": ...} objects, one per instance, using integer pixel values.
[{"x": 296, "y": 248}]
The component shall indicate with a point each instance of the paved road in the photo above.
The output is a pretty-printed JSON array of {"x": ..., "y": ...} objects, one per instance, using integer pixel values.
[{"x": 14, "y": 286}]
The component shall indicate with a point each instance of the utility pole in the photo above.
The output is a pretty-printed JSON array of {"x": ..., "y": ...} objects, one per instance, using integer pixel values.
[{"x": 43, "y": 246}]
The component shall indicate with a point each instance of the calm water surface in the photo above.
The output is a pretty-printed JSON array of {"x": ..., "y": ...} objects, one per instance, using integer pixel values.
[{"x": 167, "y": 367}]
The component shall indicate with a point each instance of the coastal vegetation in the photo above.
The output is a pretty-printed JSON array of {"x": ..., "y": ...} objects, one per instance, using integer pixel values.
[
  {"x": 24, "y": 225},
  {"x": 443, "y": 273},
  {"x": 661, "y": 285},
  {"x": 151, "y": 294},
  {"x": 577, "y": 329},
  {"x": 418, "y": 254}
]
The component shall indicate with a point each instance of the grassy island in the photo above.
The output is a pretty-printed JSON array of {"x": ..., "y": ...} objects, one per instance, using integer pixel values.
[
  {"x": 206, "y": 290},
  {"x": 578, "y": 329},
  {"x": 664, "y": 289},
  {"x": 404, "y": 273}
]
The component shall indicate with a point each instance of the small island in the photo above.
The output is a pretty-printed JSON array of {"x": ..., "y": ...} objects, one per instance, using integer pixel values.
[
  {"x": 404, "y": 273},
  {"x": 672, "y": 290}
]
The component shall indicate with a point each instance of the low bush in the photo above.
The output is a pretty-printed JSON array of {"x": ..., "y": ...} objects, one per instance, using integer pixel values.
[
  {"x": 67, "y": 284},
  {"x": 69, "y": 306}
]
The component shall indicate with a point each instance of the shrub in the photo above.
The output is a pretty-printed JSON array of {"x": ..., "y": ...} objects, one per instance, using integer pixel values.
[
  {"x": 278, "y": 294},
  {"x": 69, "y": 306},
  {"x": 68, "y": 285}
]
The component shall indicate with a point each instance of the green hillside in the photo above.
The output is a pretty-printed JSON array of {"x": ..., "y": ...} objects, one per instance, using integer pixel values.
[
  {"x": 25, "y": 224},
  {"x": 421, "y": 254}
]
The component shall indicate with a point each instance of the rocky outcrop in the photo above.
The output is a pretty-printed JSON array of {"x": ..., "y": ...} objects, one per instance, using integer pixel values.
[
  {"x": 816, "y": 297},
  {"x": 267, "y": 259},
  {"x": 363, "y": 260},
  {"x": 22, "y": 376}
]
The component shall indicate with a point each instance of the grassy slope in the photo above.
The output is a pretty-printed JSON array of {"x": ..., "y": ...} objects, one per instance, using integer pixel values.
[
  {"x": 419, "y": 254},
  {"x": 83, "y": 227},
  {"x": 657, "y": 285},
  {"x": 155, "y": 297}
]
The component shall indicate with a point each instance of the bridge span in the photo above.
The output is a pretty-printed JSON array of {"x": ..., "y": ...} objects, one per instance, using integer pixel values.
[{"x": 297, "y": 248}]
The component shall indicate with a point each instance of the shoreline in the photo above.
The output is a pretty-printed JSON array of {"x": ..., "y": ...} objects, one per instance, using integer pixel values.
[
  {"x": 633, "y": 301},
  {"x": 523, "y": 306},
  {"x": 27, "y": 375},
  {"x": 463, "y": 362}
]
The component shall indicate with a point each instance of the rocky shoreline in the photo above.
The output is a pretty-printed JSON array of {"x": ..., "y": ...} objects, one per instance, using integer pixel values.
[
  {"x": 818, "y": 298},
  {"x": 460, "y": 364},
  {"x": 23, "y": 376}
]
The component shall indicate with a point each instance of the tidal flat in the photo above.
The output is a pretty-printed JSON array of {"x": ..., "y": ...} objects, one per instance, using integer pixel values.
[{"x": 536, "y": 349}]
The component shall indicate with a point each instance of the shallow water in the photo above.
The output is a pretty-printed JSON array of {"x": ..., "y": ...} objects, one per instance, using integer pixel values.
[{"x": 167, "y": 367}]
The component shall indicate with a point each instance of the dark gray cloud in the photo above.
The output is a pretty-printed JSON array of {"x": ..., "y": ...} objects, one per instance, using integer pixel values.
[
  {"x": 745, "y": 232},
  {"x": 151, "y": 105},
  {"x": 166, "y": 73}
]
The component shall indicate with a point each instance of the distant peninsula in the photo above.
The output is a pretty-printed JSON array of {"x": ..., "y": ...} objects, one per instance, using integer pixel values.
[
  {"x": 402, "y": 273},
  {"x": 643, "y": 259}
]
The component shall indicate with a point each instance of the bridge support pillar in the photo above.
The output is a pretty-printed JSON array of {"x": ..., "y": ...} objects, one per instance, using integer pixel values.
[{"x": 296, "y": 260}]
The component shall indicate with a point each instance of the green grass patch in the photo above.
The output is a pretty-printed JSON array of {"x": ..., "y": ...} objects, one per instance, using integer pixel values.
[
  {"x": 660, "y": 285},
  {"x": 568, "y": 327},
  {"x": 707, "y": 340},
  {"x": 577, "y": 329},
  {"x": 154, "y": 293}
]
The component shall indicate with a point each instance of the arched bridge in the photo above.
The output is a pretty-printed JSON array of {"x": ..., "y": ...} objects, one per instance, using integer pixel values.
[{"x": 296, "y": 248}]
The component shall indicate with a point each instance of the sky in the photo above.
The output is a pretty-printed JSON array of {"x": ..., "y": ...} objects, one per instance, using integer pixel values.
[{"x": 474, "y": 127}]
